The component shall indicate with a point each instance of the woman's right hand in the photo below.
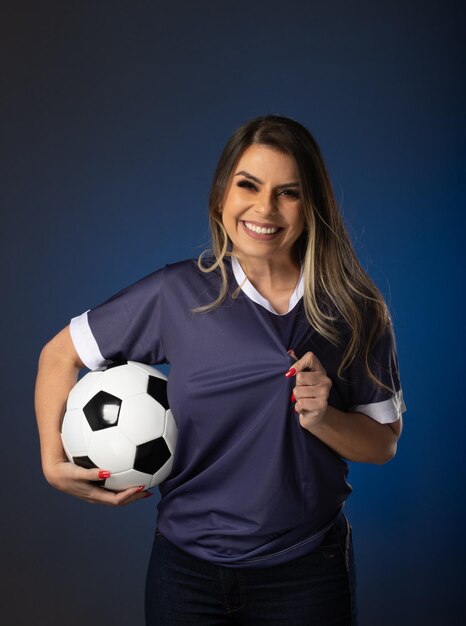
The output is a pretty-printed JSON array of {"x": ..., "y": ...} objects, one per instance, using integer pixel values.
[{"x": 82, "y": 483}]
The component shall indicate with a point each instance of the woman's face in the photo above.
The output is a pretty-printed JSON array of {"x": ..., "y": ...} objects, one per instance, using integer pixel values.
[{"x": 262, "y": 209}]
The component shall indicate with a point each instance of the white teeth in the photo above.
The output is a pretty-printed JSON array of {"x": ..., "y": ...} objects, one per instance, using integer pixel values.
[{"x": 259, "y": 230}]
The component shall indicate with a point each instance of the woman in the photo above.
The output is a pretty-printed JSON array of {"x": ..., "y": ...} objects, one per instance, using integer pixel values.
[{"x": 282, "y": 366}]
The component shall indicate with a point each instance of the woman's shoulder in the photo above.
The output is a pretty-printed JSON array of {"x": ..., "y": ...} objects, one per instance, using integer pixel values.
[
  {"x": 192, "y": 272},
  {"x": 189, "y": 266},
  {"x": 180, "y": 267},
  {"x": 158, "y": 277},
  {"x": 183, "y": 271}
]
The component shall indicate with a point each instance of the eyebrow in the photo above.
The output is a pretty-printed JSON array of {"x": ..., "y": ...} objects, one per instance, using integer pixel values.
[{"x": 261, "y": 182}]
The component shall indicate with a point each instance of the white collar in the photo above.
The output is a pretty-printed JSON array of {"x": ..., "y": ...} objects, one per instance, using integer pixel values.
[{"x": 248, "y": 288}]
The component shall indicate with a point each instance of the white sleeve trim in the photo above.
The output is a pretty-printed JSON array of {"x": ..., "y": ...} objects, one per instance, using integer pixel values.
[
  {"x": 85, "y": 343},
  {"x": 383, "y": 412}
]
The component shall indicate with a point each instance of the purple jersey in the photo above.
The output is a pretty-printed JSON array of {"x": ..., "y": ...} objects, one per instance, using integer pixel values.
[{"x": 249, "y": 486}]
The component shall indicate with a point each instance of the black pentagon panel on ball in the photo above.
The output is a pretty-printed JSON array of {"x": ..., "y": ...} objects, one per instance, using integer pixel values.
[
  {"x": 151, "y": 456},
  {"x": 115, "y": 364},
  {"x": 84, "y": 461},
  {"x": 157, "y": 388},
  {"x": 102, "y": 411}
]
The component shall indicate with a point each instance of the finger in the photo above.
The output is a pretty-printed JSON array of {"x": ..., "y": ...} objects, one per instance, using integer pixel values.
[
  {"x": 311, "y": 406},
  {"x": 105, "y": 496},
  {"x": 94, "y": 474},
  {"x": 307, "y": 362},
  {"x": 139, "y": 496},
  {"x": 132, "y": 496},
  {"x": 318, "y": 390},
  {"x": 311, "y": 379}
]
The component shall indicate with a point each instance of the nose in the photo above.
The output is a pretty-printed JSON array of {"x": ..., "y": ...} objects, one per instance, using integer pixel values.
[{"x": 266, "y": 204}]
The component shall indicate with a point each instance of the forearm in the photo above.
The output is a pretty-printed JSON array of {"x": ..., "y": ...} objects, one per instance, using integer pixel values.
[
  {"x": 56, "y": 375},
  {"x": 356, "y": 436}
]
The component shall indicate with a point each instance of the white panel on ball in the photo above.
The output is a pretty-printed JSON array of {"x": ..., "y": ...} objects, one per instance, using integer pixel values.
[
  {"x": 148, "y": 369},
  {"x": 84, "y": 390},
  {"x": 72, "y": 433},
  {"x": 141, "y": 418},
  {"x": 131, "y": 478},
  {"x": 111, "y": 450},
  {"x": 86, "y": 430},
  {"x": 69, "y": 456},
  {"x": 124, "y": 381},
  {"x": 171, "y": 431}
]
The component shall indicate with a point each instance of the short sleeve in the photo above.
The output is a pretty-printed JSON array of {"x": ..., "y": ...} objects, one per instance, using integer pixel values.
[
  {"x": 367, "y": 397},
  {"x": 126, "y": 327}
]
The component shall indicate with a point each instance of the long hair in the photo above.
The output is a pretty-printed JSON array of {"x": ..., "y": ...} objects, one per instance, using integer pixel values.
[{"x": 336, "y": 287}]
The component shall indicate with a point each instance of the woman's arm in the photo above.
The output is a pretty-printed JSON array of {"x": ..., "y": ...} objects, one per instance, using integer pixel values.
[
  {"x": 354, "y": 436},
  {"x": 57, "y": 374},
  {"x": 59, "y": 365}
]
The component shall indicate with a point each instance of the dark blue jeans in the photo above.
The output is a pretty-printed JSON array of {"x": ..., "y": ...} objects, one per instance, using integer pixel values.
[{"x": 314, "y": 590}]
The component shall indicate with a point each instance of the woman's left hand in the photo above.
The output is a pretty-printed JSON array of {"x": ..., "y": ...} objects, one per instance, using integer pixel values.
[{"x": 312, "y": 389}]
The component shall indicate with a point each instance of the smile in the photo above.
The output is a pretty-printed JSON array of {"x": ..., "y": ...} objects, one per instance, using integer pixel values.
[{"x": 261, "y": 230}]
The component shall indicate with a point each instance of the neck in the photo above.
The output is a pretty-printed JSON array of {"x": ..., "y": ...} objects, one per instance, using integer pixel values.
[{"x": 272, "y": 273}]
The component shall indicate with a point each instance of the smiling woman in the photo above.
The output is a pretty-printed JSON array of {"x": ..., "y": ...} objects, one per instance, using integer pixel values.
[
  {"x": 263, "y": 220},
  {"x": 283, "y": 366}
]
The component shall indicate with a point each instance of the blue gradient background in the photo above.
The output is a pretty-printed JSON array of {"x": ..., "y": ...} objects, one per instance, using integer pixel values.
[{"x": 113, "y": 117}]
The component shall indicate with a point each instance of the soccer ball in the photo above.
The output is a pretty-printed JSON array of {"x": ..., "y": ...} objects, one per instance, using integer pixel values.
[{"x": 117, "y": 418}]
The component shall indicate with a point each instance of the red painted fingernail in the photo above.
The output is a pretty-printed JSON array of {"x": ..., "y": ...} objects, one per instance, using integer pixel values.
[
  {"x": 148, "y": 494},
  {"x": 140, "y": 488},
  {"x": 104, "y": 474},
  {"x": 290, "y": 372},
  {"x": 293, "y": 399}
]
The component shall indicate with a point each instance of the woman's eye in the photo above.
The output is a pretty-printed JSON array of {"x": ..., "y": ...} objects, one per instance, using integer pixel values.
[
  {"x": 290, "y": 192},
  {"x": 246, "y": 184},
  {"x": 286, "y": 192}
]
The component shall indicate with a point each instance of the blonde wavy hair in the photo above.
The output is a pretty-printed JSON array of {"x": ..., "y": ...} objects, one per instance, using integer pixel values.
[{"x": 336, "y": 287}]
